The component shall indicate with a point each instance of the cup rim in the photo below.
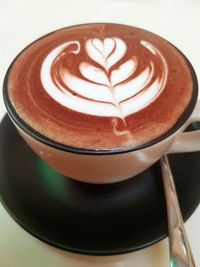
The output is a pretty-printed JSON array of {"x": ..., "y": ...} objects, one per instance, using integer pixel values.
[{"x": 89, "y": 151}]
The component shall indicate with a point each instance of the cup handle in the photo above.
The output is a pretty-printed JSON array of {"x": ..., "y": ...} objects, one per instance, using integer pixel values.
[{"x": 188, "y": 141}]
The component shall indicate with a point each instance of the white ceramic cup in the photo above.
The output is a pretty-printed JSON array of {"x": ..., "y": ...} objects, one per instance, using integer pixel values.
[{"x": 114, "y": 165}]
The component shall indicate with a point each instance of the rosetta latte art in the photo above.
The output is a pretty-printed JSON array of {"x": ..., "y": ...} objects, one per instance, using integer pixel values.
[{"x": 103, "y": 84}]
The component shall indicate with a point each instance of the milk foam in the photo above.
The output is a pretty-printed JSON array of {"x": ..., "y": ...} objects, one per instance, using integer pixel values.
[{"x": 102, "y": 89}]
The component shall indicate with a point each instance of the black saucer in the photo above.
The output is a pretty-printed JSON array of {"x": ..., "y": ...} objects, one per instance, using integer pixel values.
[{"x": 91, "y": 219}]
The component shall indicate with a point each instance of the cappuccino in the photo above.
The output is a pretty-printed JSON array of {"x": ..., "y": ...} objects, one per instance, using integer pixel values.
[{"x": 100, "y": 86}]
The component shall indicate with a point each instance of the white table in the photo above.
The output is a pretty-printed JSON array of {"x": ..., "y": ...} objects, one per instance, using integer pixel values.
[{"x": 23, "y": 21}]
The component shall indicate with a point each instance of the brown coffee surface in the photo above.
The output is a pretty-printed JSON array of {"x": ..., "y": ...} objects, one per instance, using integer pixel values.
[{"x": 100, "y": 86}]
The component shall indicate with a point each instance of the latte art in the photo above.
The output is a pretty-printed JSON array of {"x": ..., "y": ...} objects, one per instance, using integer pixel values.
[{"x": 100, "y": 87}]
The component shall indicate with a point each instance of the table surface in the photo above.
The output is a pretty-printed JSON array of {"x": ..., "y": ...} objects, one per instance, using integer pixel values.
[{"x": 22, "y": 22}]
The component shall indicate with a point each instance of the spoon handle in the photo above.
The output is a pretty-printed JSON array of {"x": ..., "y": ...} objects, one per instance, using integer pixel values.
[{"x": 180, "y": 250}]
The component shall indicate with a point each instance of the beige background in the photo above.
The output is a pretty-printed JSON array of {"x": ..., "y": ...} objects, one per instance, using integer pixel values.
[{"x": 23, "y": 21}]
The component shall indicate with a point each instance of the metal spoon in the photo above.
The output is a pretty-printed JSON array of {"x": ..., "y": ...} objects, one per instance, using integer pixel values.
[{"x": 179, "y": 247}]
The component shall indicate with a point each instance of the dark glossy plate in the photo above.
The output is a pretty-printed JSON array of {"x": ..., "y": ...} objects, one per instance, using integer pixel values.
[{"x": 91, "y": 219}]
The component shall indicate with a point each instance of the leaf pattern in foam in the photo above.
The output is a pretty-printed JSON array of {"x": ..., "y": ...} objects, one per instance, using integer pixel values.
[{"x": 98, "y": 92}]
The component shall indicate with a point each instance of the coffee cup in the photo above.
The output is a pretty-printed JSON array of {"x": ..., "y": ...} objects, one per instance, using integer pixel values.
[{"x": 131, "y": 137}]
